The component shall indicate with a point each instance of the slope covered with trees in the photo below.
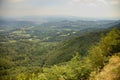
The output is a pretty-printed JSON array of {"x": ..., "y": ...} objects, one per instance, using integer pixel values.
[
  {"x": 40, "y": 52},
  {"x": 100, "y": 57}
]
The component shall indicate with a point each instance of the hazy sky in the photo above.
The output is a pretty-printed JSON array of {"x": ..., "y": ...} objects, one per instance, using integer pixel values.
[{"x": 84, "y": 8}]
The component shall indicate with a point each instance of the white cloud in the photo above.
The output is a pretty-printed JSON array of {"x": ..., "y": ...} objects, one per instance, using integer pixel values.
[
  {"x": 17, "y": 0},
  {"x": 14, "y": 1},
  {"x": 87, "y": 8},
  {"x": 104, "y": 2},
  {"x": 114, "y": 2}
]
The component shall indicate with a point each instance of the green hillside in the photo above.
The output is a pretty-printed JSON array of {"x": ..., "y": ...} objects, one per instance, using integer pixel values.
[
  {"x": 67, "y": 49},
  {"x": 27, "y": 53},
  {"x": 94, "y": 66}
]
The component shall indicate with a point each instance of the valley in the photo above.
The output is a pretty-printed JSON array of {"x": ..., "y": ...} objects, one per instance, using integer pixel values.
[{"x": 29, "y": 48}]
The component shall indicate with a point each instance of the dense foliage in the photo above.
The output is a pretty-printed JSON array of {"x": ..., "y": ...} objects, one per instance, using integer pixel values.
[
  {"x": 56, "y": 51},
  {"x": 82, "y": 68}
]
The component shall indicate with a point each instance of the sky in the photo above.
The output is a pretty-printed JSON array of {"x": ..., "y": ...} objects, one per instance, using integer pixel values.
[{"x": 81, "y": 8}]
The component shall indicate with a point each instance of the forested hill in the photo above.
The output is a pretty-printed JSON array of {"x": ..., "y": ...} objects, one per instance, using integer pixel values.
[
  {"x": 30, "y": 52},
  {"x": 81, "y": 44},
  {"x": 102, "y": 62},
  {"x": 67, "y": 49}
]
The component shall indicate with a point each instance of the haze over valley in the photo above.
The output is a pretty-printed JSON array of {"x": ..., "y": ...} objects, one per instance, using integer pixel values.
[{"x": 59, "y": 40}]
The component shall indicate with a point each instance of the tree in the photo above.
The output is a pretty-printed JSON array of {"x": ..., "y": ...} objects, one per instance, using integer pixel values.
[{"x": 110, "y": 43}]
